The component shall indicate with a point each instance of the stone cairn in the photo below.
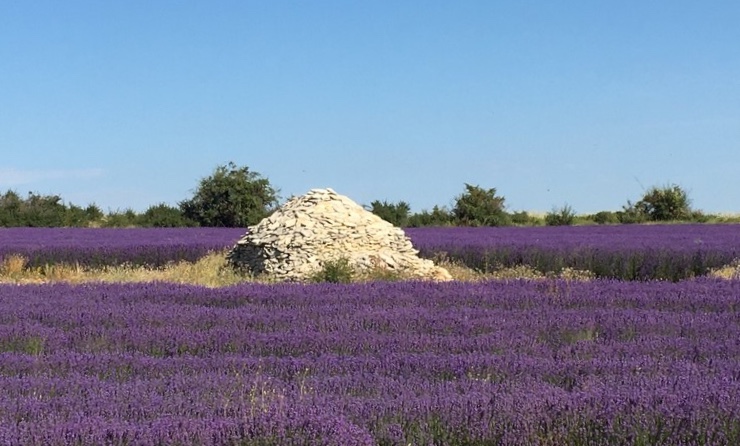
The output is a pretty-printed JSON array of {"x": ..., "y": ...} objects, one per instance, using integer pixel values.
[{"x": 300, "y": 237}]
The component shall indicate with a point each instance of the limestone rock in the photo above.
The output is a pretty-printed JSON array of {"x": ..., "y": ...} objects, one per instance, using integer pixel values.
[{"x": 307, "y": 231}]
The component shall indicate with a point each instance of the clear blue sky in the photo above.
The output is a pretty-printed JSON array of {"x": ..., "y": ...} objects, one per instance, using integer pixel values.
[{"x": 128, "y": 104}]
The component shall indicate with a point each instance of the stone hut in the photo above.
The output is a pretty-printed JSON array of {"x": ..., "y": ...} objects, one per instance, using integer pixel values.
[{"x": 297, "y": 240}]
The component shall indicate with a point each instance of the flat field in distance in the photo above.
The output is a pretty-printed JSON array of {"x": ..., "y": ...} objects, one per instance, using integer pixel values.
[{"x": 519, "y": 363}]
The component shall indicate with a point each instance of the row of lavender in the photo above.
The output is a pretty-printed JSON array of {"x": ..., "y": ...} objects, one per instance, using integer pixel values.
[
  {"x": 95, "y": 247},
  {"x": 631, "y": 252},
  {"x": 518, "y": 363},
  {"x": 671, "y": 252}
]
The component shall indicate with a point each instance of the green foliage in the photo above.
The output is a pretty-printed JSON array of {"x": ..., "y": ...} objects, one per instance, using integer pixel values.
[
  {"x": 164, "y": 216},
  {"x": 231, "y": 197},
  {"x": 605, "y": 217},
  {"x": 660, "y": 204},
  {"x": 439, "y": 216},
  {"x": 565, "y": 216},
  {"x": 75, "y": 216},
  {"x": 397, "y": 214},
  {"x": 34, "y": 210},
  {"x": 121, "y": 219},
  {"x": 335, "y": 271},
  {"x": 523, "y": 218},
  {"x": 10, "y": 209},
  {"x": 44, "y": 211},
  {"x": 630, "y": 215},
  {"x": 93, "y": 213},
  {"x": 480, "y": 207},
  {"x": 699, "y": 216}
]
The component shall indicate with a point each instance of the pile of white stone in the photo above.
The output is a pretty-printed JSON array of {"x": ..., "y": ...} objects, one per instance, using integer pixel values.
[{"x": 299, "y": 238}]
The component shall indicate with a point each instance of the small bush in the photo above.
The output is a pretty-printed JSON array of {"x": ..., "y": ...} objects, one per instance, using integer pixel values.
[
  {"x": 660, "y": 204},
  {"x": 517, "y": 272},
  {"x": 13, "y": 265},
  {"x": 564, "y": 216},
  {"x": 523, "y": 218},
  {"x": 439, "y": 216},
  {"x": 396, "y": 214},
  {"x": 730, "y": 272},
  {"x": 569, "y": 273},
  {"x": 164, "y": 216},
  {"x": 605, "y": 218},
  {"x": 121, "y": 219},
  {"x": 698, "y": 216},
  {"x": 631, "y": 215},
  {"x": 382, "y": 274},
  {"x": 335, "y": 271}
]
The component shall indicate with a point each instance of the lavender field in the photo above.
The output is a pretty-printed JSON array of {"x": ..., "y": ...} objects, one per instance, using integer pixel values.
[
  {"x": 545, "y": 362},
  {"x": 513, "y": 363},
  {"x": 95, "y": 247},
  {"x": 629, "y": 252}
]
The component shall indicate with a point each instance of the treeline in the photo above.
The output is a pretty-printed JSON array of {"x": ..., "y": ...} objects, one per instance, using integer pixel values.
[
  {"x": 36, "y": 210},
  {"x": 234, "y": 196},
  {"x": 483, "y": 207}
]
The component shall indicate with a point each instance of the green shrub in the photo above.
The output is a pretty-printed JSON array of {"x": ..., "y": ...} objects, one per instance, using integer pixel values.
[
  {"x": 523, "y": 218},
  {"x": 630, "y": 215},
  {"x": 335, "y": 271},
  {"x": 605, "y": 217},
  {"x": 396, "y": 214},
  {"x": 439, "y": 216},
  {"x": 480, "y": 207},
  {"x": 660, "y": 204},
  {"x": 44, "y": 211},
  {"x": 164, "y": 216},
  {"x": 699, "y": 216},
  {"x": 121, "y": 219},
  {"x": 565, "y": 216}
]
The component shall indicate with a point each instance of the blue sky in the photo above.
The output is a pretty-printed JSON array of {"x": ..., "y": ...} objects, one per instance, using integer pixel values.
[{"x": 128, "y": 104}]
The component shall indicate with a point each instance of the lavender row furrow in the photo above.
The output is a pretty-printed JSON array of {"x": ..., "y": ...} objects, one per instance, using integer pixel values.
[
  {"x": 543, "y": 363},
  {"x": 633, "y": 252},
  {"x": 97, "y": 247}
]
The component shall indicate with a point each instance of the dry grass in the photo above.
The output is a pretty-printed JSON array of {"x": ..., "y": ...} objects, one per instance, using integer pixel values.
[
  {"x": 576, "y": 274},
  {"x": 211, "y": 271},
  {"x": 463, "y": 273},
  {"x": 13, "y": 265},
  {"x": 729, "y": 272}
]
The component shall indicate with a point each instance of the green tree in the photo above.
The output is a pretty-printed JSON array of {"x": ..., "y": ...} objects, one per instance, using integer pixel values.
[
  {"x": 395, "y": 213},
  {"x": 43, "y": 210},
  {"x": 480, "y": 207},
  {"x": 231, "y": 197},
  {"x": 94, "y": 213},
  {"x": 75, "y": 216},
  {"x": 10, "y": 209},
  {"x": 660, "y": 204}
]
